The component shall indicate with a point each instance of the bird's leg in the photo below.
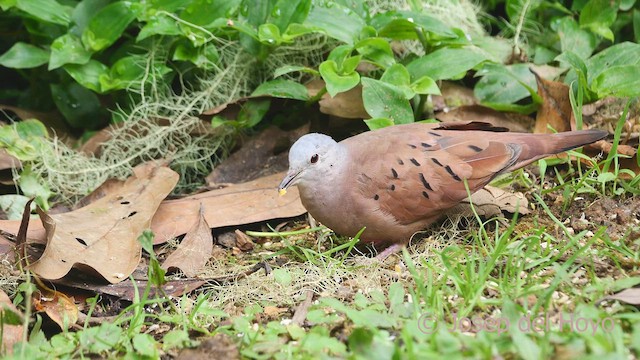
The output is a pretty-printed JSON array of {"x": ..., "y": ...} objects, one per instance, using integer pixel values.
[{"x": 389, "y": 251}]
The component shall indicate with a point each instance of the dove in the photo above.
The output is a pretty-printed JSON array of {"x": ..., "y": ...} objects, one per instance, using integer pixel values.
[{"x": 396, "y": 181}]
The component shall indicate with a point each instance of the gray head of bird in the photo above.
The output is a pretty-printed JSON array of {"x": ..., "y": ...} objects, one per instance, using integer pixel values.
[{"x": 311, "y": 157}]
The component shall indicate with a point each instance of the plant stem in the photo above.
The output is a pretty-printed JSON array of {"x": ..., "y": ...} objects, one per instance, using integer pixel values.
[{"x": 286, "y": 233}]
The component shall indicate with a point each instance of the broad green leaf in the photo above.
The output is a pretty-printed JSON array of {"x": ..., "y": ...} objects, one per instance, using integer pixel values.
[
  {"x": 377, "y": 51},
  {"x": 625, "y": 53},
  {"x": 378, "y": 123},
  {"x": 282, "y": 89},
  {"x": 88, "y": 75},
  {"x": 84, "y": 12},
  {"x": 350, "y": 64},
  {"x": 337, "y": 21},
  {"x": 286, "y": 12},
  {"x": 46, "y": 10},
  {"x": 80, "y": 106},
  {"x": 599, "y": 15},
  {"x": 446, "y": 63},
  {"x": 335, "y": 82},
  {"x": 160, "y": 24},
  {"x": 620, "y": 81},
  {"x": 295, "y": 30},
  {"x": 252, "y": 112},
  {"x": 32, "y": 186},
  {"x": 399, "y": 76},
  {"x": 283, "y": 70},
  {"x": 636, "y": 29},
  {"x": 68, "y": 49},
  {"x": 109, "y": 23},
  {"x": 205, "y": 12},
  {"x": 505, "y": 84},
  {"x": 426, "y": 86},
  {"x": 573, "y": 38},
  {"x": 24, "y": 56},
  {"x": 339, "y": 54},
  {"x": 145, "y": 345},
  {"x": 7, "y": 4},
  {"x": 269, "y": 34},
  {"x": 517, "y": 9},
  {"x": 402, "y": 25},
  {"x": 382, "y": 100}
]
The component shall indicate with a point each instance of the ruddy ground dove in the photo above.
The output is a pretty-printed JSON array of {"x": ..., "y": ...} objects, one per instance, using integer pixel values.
[{"x": 397, "y": 180}]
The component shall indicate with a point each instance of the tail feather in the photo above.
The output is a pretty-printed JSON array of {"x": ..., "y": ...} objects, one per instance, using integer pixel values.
[{"x": 538, "y": 146}]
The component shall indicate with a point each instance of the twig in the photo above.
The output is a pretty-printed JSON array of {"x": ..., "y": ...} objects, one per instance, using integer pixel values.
[{"x": 302, "y": 309}]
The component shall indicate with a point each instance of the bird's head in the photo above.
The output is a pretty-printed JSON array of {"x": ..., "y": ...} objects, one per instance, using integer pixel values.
[{"x": 309, "y": 158}]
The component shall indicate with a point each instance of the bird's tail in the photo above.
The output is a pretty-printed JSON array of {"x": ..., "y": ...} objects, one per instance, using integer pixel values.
[{"x": 538, "y": 146}]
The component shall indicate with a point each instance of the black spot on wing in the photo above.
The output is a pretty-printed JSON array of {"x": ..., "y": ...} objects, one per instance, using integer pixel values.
[
  {"x": 475, "y": 148},
  {"x": 425, "y": 194},
  {"x": 415, "y": 162},
  {"x": 453, "y": 175},
  {"x": 392, "y": 187},
  {"x": 434, "y": 134},
  {"x": 425, "y": 145},
  {"x": 412, "y": 146},
  {"x": 435, "y": 161},
  {"x": 394, "y": 173},
  {"x": 376, "y": 197},
  {"x": 400, "y": 162},
  {"x": 425, "y": 183}
]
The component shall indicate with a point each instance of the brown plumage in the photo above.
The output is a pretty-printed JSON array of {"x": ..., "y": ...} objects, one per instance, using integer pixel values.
[{"x": 397, "y": 180}]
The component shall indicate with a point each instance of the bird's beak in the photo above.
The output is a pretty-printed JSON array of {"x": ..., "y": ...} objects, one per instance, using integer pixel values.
[{"x": 288, "y": 180}]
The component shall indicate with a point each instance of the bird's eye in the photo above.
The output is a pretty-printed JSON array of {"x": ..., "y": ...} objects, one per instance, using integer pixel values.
[{"x": 314, "y": 158}]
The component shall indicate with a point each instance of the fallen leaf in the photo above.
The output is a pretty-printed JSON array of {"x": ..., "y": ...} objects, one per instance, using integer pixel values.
[
  {"x": 194, "y": 251},
  {"x": 629, "y": 296},
  {"x": 453, "y": 95},
  {"x": 273, "y": 311},
  {"x": 492, "y": 201},
  {"x": 513, "y": 122},
  {"x": 346, "y": 104},
  {"x": 60, "y": 308},
  {"x": 103, "y": 235},
  {"x": 52, "y": 119},
  {"x": 243, "y": 241},
  {"x": 8, "y": 161},
  {"x": 238, "y": 204},
  {"x": 555, "y": 111},
  {"x": 11, "y": 332}
]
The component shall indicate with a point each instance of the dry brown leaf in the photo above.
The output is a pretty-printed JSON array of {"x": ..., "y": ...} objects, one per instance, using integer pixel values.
[
  {"x": 194, "y": 251},
  {"x": 59, "y": 307},
  {"x": 453, "y": 95},
  {"x": 629, "y": 296},
  {"x": 244, "y": 241},
  {"x": 8, "y": 161},
  {"x": 103, "y": 235},
  {"x": 238, "y": 204},
  {"x": 273, "y": 311},
  {"x": 555, "y": 111},
  {"x": 346, "y": 104},
  {"x": 11, "y": 334},
  {"x": 513, "y": 122},
  {"x": 492, "y": 201}
]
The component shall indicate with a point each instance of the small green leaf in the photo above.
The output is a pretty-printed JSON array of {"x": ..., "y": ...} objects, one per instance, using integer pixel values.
[
  {"x": 335, "y": 82},
  {"x": 24, "y": 56},
  {"x": 88, "y": 75},
  {"x": 109, "y": 23},
  {"x": 599, "y": 15},
  {"x": 282, "y": 276},
  {"x": 626, "y": 53},
  {"x": 68, "y": 49},
  {"x": 286, "y": 69},
  {"x": 446, "y": 63},
  {"x": 161, "y": 24},
  {"x": 46, "y": 10},
  {"x": 382, "y": 100},
  {"x": 176, "y": 339},
  {"x": 281, "y": 88},
  {"x": 253, "y": 111},
  {"x": 396, "y": 75},
  {"x": 269, "y": 34},
  {"x": 202, "y": 56},
  {"x": 23, "y": 139},
  {"x": 426, "y": 86},
  {"x": 378, "y": 123},
  {"x": 377, "y": 51},
  {"x": 32, "y": 186},
  {"x": 84, "y": 12},
  {"x": 505, "y": 84},
  {"x": 403, "y": 25},
  {"x": 205, "y": 12},
  {"x": 145, "y": 345},
  {"x": 350, "y": 64},
  {"x": 636, "y": 35},
  {"x": 339, "y": 22},
  {"x": 573, "y": 38}
]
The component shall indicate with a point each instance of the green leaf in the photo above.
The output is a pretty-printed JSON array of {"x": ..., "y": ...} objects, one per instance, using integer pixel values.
[
  {"x": 378, "y": 123},
  {"x": 636, "y": 31},
  {"x": 24, "y": 56},
  {"x": 286, "y": 69},
  {"x": 282, "y": 276},
  {"x": 370, "y": 344},
  {"x": 80, "y": 107},
  {"x": 281, "y": 88},
  {"x": 202, "y": 56},
  {"x": 335, "y": 82},
  {"x": 46, "y": 10},
  {"x": 13, "y": 205},
  {"x": 88, "y": 75},
  {"x": 145, "y": 345},
  {"x": 403, "y": 25},
  {"x": 377, "y": 51},
  {"x": 446, "y": 63},
  {"x": 505, "y": 84},
  {"x": 426, "y": 86},
  {"x": 382, "y": 100},
  {"x": 337, "y": 21},
  {"x": 625, "y": 53},
  {"x": 253, "y": 111},
  {"x": 269, "y": 34},
  {"x": 176, "y": 339},
  {"x": 109, "y": 23},
  {"x": 205, "y": 12},
  {"x": 399, "y": 76},
  {"x": 68, "y": 49},
  {"x": 160, "y": 24},
  {"x": 350, "y": 64},
  {"x": 620, "y": 81},
  {"x": 24, "y": 139},
  {"x": 287, "y": 12},
  {"x": 84, "y": 12},
  {"x": 573, "y": 38},
  {"x": 32, "y": 186},
  {"x": 599, "y": 15}
]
